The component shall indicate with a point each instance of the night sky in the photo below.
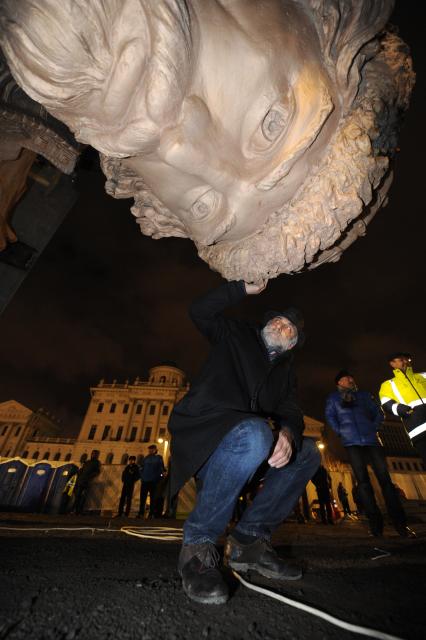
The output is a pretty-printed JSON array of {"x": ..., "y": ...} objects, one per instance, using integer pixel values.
[{"x": 103, "y": 301}]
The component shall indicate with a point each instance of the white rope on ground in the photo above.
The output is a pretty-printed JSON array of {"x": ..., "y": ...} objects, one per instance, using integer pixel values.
[
  {"x": 164, "y": 534},
  {"x": 171, "y": 534},
  {"x": 365, "y": 631},
  {"x": 45, "y": 529}
]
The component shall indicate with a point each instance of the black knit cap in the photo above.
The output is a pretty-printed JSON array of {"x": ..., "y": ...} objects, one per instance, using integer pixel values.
[
  {"x": 399, "y": 354},
  {"x": 295, "y": 316},
  {"x": 342, "y": 374}
]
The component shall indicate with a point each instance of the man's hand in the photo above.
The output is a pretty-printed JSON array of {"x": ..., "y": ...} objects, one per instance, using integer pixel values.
[
  {"x": 252, "y": 289},
  {"x": 404, "y": 410},
  {"x": 283, "y": 450}
]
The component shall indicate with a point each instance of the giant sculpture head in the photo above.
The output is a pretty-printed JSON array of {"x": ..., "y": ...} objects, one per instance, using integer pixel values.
[{"x": 260, "y": 129}]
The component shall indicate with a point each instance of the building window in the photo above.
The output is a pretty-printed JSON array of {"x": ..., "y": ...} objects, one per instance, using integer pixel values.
[
  {"x": 165, "y": 410},
  {"x": 152, "y": 409},
  {"x": 174, "y": 380},
  {"x": 401, "y": 466},
  {"x": 113, "y": 407},
  {"x": 133, "y": 433},
  {"x": 124, "y": 458},
  {"x": 4, "y": 430},
  {"x": 100, "y": 407},
  {"x": 57, "y": 455},
  {"x": 408, "y": 466},
  {"x": 25, "y": 454},
  {"x": 46, "y": 455},
  {"x": 83, "y": 458},
  {"x": 67, "y": 457},
  {"x": 125, "y": 408},
  {"x": 416, "y": 466},
  {"x": 119, "y": 433},
  {"x": 109, "y": 458},
  {"x": 36, "y": 455},
  {"x": 138, "y": 408},
  {"x": 107, "y": 429},
  {"x": 162, "y": 432},
  {"x": 395, "y": 466},
  {"x": 147, "y": 434},
  {"x": 18, "y": 431},
  {"x": 163, "y": 379},
  {"x": 92, "y": 432}
]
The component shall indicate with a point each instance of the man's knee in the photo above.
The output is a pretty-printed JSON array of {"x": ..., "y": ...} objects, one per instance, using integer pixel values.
[{"x": 258, "y": 439}]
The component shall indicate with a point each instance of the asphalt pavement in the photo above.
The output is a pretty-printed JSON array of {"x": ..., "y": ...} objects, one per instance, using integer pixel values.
[{"x": 82, "y": 578}]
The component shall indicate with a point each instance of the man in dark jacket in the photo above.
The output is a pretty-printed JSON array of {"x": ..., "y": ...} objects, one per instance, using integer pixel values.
[
  {"x": 343, "y": 497},
  {"x": 87, "y": 473},
  {"x": 355, "y": 417},
  {"x": 221, "y": 434},
  {"x": 151, "y": 472},
  {"x": 321, "y": 481},
  {"x": 129, "y": 477}
]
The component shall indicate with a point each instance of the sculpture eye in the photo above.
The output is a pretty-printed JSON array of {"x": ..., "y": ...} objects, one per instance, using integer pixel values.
[
  {"x": 206, "y": 204},
  {"x": 276, "y": 121}
]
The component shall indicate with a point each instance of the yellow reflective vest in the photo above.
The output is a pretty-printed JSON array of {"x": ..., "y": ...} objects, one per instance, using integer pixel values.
[{"x": 407, "y": 388}]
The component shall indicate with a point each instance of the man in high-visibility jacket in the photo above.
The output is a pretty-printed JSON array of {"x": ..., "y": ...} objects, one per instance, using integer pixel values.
[{"x": 405, "y": 396}]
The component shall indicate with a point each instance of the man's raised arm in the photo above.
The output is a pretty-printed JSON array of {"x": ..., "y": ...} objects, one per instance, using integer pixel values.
[{"x": 206, "y": 311}]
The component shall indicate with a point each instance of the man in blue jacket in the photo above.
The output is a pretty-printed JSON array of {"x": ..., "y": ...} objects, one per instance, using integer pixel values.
[{"x": 355, "y": 417}]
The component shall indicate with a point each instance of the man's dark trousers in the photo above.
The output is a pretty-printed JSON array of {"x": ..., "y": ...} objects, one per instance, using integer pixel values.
[
  {"x": 80, "y": 496},
  {"x": 150, "y": 488},
  {"x": 126, "y": 498},
  {"x": 360, "y": 457}
]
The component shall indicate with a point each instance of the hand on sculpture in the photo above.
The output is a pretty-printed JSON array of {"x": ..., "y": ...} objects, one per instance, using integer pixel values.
[
  {"x": 283, "y": 450},
  {"x": 253, "y": 289}
]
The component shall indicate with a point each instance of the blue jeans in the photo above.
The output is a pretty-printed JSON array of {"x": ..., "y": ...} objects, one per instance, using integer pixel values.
[{"x": 228, "y": 469}]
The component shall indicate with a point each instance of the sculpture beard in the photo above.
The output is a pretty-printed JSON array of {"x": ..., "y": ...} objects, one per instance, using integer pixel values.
[{"x": 150, "y": 88}]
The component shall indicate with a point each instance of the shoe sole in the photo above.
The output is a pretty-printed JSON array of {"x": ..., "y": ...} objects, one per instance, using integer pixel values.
[
  {"x": 244, "y": 567},
  {"x": 208, "y": 599}
]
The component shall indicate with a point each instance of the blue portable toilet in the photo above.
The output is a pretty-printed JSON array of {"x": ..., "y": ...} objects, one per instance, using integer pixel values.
[
  {"x": 54, "y": 499},
  {"x": 12, "y": 474},
  {"x": 35, "y": 487}
]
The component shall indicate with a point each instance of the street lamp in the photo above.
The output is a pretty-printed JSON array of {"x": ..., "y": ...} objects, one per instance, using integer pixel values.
[{"x": 165, "y": 444}]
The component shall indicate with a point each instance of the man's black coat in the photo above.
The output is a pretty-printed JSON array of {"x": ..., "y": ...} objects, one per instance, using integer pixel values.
[{"x": 237, "y": 381}]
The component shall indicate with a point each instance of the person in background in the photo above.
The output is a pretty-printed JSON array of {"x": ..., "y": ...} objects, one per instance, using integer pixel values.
[
  {"x": 404, "y": 395},
  {"x": 355, "y": 416},
  {"x": 88, "y": 472},
  {"x": 129, "y": 477},
  {"x": 321, "y": 480},
  {"x": 343, "y": 497},
  {"x": 151, "y": 473}
]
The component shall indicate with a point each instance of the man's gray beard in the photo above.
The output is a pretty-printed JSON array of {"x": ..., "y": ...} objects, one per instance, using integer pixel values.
[{"x": 276, "y": 340}]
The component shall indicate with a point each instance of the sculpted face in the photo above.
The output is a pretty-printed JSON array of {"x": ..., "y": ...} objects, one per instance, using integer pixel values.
[
  {"x": 261, "y": 130},
  {"x": 252, "y": 122}
]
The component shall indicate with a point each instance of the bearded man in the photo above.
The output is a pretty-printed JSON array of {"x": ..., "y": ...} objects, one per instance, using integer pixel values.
[{"x": 221, "y": 434}]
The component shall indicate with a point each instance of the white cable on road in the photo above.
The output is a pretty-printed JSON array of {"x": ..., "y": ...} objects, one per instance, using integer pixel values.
[
  {"x": 365, "y": 631},
  {"x": 172, "y": 534},
  {"x": 164, "y": 534}
]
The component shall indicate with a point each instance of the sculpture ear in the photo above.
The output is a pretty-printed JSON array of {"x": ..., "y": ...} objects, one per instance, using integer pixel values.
[{"x": 345, "y": 29}]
